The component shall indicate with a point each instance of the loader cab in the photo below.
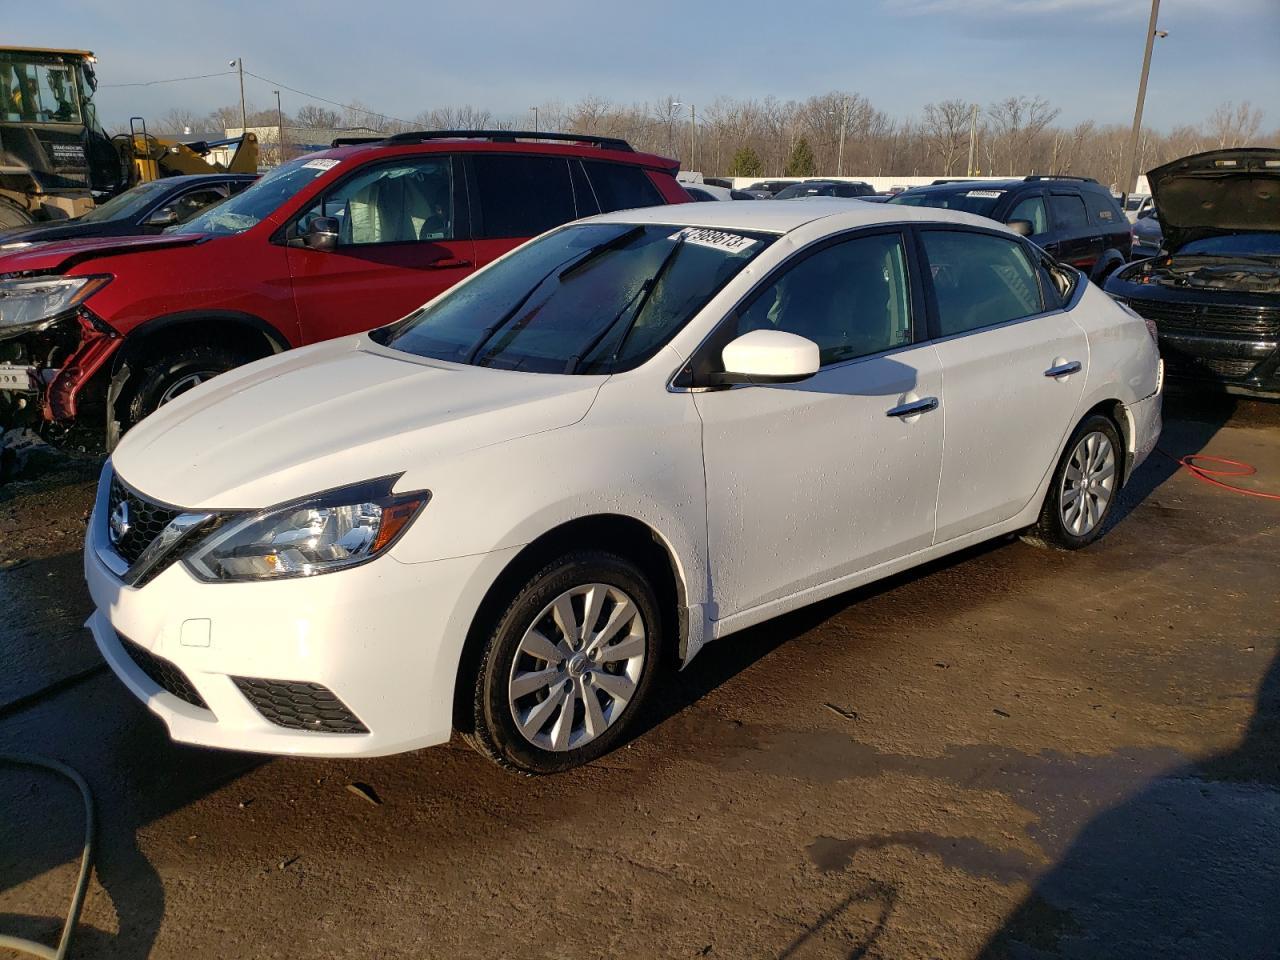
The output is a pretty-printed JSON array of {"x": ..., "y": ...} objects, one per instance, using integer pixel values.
[{"x": 54, "y": 154}]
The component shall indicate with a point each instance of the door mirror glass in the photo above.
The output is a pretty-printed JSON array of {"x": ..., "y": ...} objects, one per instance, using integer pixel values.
[
  {"x": 322, "y": 233},
  {"x": 164, "y": 217},
  {"x": 769, "y": 356},
  {"x": 1022, "y": 227}
]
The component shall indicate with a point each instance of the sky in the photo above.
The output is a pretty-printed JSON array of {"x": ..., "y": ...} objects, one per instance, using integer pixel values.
[{"x": 405, "y": 56}]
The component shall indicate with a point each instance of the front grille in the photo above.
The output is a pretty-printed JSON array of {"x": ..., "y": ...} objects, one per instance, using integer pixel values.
[
  {"x": 1261, "y": 322},
  {"x": 146, "y": 520},
  {"x": 163, "y": 673},
  {"x": 299, "y": 706},
  {"x": 1186, "y": 365}
]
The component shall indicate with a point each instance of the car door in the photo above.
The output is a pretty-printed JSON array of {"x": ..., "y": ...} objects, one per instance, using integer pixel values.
[
  {"x": 814, "y": 481},
  {"x": 403, "y": 238},
  {"x": 516, "y": 196},
  {"x": 1079, "y": 241},
  {"x": 1014, "y": 363}
]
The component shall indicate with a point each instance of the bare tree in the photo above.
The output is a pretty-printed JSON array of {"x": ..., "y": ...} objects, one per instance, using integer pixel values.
[
  {"x": 310, "y": 115},
  {"x": 1017, "y": 122},
  {"x": 946, "y": 128},
  {"x": 1234, "y": 126}
]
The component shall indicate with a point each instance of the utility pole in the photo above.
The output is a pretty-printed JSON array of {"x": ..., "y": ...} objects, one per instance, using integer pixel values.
[
  {"x": 1131, "y": 184},
  {"x": 535, "y": 118},
  {"x": 693, "y": 137},
  {"x": 844, "y": 122},
  {"x": 244, "y": 116},
  {"x": 973, "y": 139},
  {"x": 279, "y": 127}
]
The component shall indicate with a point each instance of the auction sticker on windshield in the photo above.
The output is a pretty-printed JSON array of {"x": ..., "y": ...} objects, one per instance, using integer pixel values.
[
  {"x": 716, "y": 239},
  {"x": 321, "y": 164}
]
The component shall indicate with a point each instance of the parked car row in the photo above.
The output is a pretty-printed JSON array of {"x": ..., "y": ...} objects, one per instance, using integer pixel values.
[{"x": 323, "y": 246}]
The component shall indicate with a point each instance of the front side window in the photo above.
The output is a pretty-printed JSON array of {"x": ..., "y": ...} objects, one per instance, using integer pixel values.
[
  {"x": 979, "y": 280},
  {"x": 852, "y": 299},
  {"x": 1031, "y": 209},
  {"x": 1068, "y": 211},
  {"x": 406, "y": 201},
  {"x": 587, "y": 299},
  {"x": 522, "y": 196}
]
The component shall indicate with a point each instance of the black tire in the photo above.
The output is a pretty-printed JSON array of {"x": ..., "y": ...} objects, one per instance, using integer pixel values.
[
  {"x": 12, "y": 216},
  {"x": 494, "y": 732},
  {"x": 165, "y": 376},
  {"x": 1052, "y": 529}
]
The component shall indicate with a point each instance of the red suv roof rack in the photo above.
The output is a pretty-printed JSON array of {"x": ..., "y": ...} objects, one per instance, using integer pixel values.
[{"x": 494, "y": 136}]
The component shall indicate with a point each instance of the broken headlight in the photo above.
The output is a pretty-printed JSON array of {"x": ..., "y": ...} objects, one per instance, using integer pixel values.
[
  {"x": 330, "y": 531},
  {"x": 32, "y": 303}
]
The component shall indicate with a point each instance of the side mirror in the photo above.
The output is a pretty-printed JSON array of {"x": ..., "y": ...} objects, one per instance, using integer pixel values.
[
  {"x": 1023, "y": 228},
  {"x": 322, "y": 234},
  {"x": 164, "y": 217},
  {"x": 769, "y": 356}
]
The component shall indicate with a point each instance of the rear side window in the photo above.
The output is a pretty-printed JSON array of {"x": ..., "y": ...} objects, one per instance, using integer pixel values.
[
  {"x": 522, "y": 196},
  {"x": 1104, "y": 207},
  {"x": 619, "y": 187},
  {"x": 1068, "y": 211},
  {"x": 979, "y": 280}
]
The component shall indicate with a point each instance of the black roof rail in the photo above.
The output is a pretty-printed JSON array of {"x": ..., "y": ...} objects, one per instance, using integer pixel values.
[
  {"x": 938, "y": 183},
  {"x": 353, "y": 141},
  {"x": 510, "y": 136},
  {"x": 1058, "y": 176}
]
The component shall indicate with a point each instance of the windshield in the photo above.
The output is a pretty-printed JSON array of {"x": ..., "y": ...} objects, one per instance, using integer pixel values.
[
  {"x": 264, "y": 197},
  {"x": 805, "y": 190},
  {"x": 978, "y": 201},
  {"x": 585, "y": 299},
  {"x": 1242, "y": 244},
  {"x": 128, "y": 204}
]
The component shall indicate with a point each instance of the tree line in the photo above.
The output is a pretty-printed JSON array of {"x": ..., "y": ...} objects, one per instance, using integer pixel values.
[{"x": 771, "y": 137}]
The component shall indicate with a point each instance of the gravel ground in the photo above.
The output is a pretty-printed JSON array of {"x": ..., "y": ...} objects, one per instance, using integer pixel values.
[{"x": 1010, "y": 753}]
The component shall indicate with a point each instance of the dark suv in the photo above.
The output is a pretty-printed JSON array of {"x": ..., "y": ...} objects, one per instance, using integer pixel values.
[
  {"x": 825, "y": 188},
  {"x": 329, "y": 244},
  {"x": 1075, "y": 219}
]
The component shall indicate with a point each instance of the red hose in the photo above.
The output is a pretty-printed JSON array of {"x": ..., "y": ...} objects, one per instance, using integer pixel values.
[{"x": 1208, "y": 475}]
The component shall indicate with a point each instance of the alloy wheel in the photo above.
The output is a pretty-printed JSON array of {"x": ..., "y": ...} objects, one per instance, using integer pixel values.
[
  {"x": 1088, "y": 483},
  {"x": 577, "y": 667}
]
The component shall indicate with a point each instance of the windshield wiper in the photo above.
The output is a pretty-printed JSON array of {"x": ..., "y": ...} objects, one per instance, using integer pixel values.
[
  {"x": 584, "y": 258},
  {"x": 642, "y": 298}
]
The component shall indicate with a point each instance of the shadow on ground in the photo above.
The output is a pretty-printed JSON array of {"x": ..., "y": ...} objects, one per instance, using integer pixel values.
[{"x": 1188, "y": 867}]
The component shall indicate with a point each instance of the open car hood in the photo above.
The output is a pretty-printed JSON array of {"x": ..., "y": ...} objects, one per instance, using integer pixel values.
[
  {"x": 58, "y": 256},
  {"x": 1216, "y": 193}
]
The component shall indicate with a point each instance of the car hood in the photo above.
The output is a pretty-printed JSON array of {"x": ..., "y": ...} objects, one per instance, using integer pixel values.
[
  {"x": 61, "y": 255},
  {"x": 333, "y": 414},
  {"x": 1218, "y": 192}
]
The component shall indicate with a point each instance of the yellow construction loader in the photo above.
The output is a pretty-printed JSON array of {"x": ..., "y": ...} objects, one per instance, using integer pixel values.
[{"x": 56, "y": 161}]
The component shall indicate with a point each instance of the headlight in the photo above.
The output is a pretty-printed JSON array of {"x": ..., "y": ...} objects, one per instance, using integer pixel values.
[
  {"x": 33, "y": 302},
  {"x": 330, "y": 531}
]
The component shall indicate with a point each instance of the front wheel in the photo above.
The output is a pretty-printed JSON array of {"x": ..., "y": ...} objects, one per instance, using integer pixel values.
[
  {"x": 168, "y": 375},
  {"x": 565, "y": 670},
  {"x": 1083, "y": 491}
]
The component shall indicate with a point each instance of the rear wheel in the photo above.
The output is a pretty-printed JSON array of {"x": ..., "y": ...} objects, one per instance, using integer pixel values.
[
  {"x": 12, "y": 216},
  {"x": 568, "y": 664},
  {"x": 1083, "y": 491}
]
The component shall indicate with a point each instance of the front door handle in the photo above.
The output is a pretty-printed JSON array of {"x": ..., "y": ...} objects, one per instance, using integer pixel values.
[
  {"x": 447, "y": 262},
  {"x": 1063, "y": 369},
  {"x": 914, "y": 408}
]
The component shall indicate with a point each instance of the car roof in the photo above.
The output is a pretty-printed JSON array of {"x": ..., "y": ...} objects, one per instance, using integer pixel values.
[
  {"x": 783, "y": 216},
  {"x": 462, "y": 143},
  {"x": 190, "y": 178}
]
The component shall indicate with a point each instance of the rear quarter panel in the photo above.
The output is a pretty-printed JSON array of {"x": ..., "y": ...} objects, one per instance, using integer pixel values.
[{"x": 1123, "y": 359}]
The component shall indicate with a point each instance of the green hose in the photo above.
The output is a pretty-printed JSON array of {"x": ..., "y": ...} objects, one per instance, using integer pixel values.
[{"x": 86, "y": 862}]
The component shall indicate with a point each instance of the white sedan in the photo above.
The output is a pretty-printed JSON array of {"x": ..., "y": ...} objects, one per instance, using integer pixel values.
[{"x": 507, "y": 512}]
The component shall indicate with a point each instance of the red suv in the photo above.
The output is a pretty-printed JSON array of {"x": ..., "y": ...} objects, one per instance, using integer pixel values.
[{"x": 329, "y": 244}]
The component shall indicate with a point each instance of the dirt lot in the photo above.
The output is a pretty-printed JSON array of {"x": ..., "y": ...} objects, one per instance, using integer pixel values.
[{"x": 1013, "y": 753}]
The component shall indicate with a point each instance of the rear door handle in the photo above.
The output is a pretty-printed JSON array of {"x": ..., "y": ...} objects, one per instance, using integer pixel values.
[
  {"x": 914, "y": 408},
  {"x": 1063, "y": 369},
  {"x": 447, "y": 262}
]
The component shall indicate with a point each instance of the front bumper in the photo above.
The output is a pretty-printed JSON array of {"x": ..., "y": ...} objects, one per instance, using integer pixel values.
[{"x": 385, "y": 638}]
